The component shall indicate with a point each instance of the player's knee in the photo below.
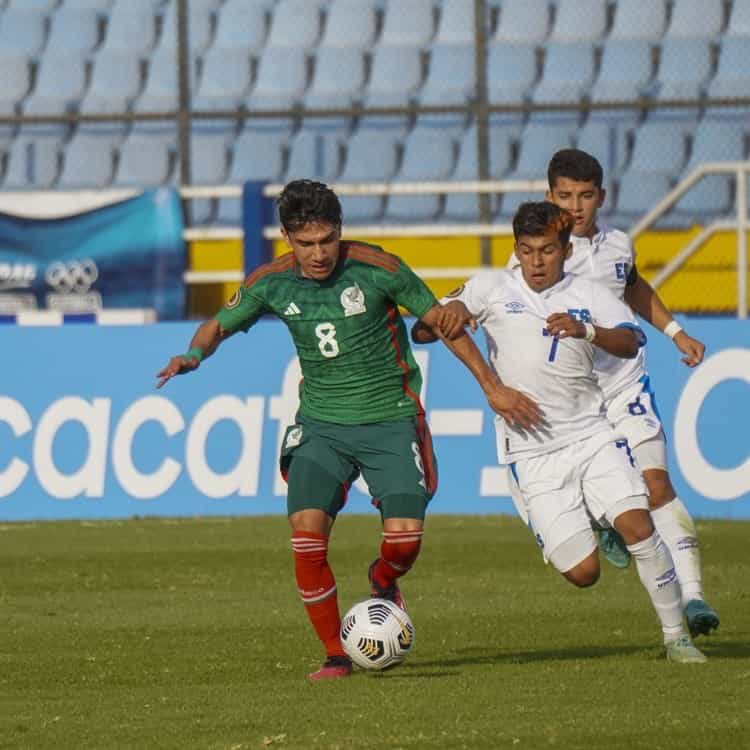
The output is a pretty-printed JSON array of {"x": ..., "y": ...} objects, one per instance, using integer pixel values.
[
  {"x": 585, "y": 573},
  {"x": 660, "y": 489},
  {"x": 634, "y": 526}
]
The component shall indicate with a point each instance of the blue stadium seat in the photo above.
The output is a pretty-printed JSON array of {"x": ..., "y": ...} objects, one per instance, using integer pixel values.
[
  {"x": 33, "y": 6},
  {"x": 567, "y": 74},
  {"x": 100, "y": 6},
  {"x": 295, "y": 24},
  {"x": 456, "y": 25},
  {"x": 523, "y": 22},
  {"x": 626, "y": 70},
  {"x": 429, "y": 155},
  {"x": 607, "y": 140},
  {"x": 282, "y": 79},
  {"x": 209, "y": 162},
  {"x": 199, "y": 28},
  {"x": 226, "y": 78},
  {"x": 338, "y": 80},
  {"x": 316, "y": 153},
  {"x": 638, "y": 193},
  {"x": 144, "y": 161},
  {"x": 73, "y": 32},
  {"x": 15, "y": 82},
  {"x": 511, "y": 72},
  {"x": 692, "y": 19},
  {"x": 21, "y": 34},
  {"x": 395, "y": 77},
  {"x": 60, "y": 86},
  {"x": 732, "y": 77},
  {"x": 684, "y": 69},
  {"x": 129, "y": 30},
  {"x": 88, "y": 162},
  {"x": 739, "y": 20},
  {"x": 350, "y": 23},
  {"x": 579, "y": 21},
  {"x": 241, "y": 27},
  {"x": 410, "y": 24},
  {"x": 450, "y": 79},
  {"x": 34, "y": 161},
  {"x": 635, "y": 19},
  {"x": 658, "y": 147}
]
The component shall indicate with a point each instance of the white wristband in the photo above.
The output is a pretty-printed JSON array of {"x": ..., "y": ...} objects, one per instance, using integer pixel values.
[
  {"x": 590, "y": 332},
  {"x": 672, "y": 329}
]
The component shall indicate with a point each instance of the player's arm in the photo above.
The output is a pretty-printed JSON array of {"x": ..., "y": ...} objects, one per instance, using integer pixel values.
[
  {"x": 621, "y": 341},
  {"x": 512, "y": 405},
  {"x": 644, "y": 301}
]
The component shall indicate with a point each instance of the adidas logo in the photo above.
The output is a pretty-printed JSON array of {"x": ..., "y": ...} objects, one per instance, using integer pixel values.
[{"x": 292, "y": 310}]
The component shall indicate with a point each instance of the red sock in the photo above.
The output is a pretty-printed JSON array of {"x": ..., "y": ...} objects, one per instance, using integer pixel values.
[
  {"x": 317, "y": 588},
  {"x": 398, "y": 552}
]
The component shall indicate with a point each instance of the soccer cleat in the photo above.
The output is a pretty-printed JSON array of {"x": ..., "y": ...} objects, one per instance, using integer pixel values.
[
  {"x": 701, "y": 619},
  {"x": 392, "y": 593},
  {"x": 333, "y": 668},
  {"x": 613, "y": 548},
  {"x": 682, "y": 651}
]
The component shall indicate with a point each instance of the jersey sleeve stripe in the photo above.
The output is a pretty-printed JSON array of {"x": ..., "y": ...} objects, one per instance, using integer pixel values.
[
  {"x": 400, "y": 361},
  {"x": 284, "y": 263},
  {"x": 373, "y": 257}
]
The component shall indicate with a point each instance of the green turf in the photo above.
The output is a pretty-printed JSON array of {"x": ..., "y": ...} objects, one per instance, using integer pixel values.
[{"x": 190, "y": 634}]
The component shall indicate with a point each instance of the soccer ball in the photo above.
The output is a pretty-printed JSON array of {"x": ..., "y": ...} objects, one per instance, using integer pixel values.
[{"x": 377, "y": 634}]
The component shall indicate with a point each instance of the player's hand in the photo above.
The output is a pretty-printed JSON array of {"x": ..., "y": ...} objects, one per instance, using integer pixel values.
[
  {"x": 565, "y": 326},
  {"x": 177, "y": 366},
  {"x": 514, "y": 407},
  {"x": 690, "y": 347},
  {"x": 452, "y": 319}
]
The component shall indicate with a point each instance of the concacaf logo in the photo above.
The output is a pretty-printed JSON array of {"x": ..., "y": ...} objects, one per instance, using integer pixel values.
[{"x": 234, "y": 300}]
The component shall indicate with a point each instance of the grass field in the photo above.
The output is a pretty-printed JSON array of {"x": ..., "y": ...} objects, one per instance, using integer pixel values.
[{"x": 190, "y": 634}]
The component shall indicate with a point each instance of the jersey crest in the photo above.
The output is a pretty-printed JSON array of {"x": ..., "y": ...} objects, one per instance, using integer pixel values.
[{"x": 353, "y": 301}]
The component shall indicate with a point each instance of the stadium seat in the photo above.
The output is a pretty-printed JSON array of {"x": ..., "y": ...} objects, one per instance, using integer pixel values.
[
  {"x": 732, "y": 78},
  {"x": 22, "y": 34},
  {"x": 635, "y": 19},
  {"x": 282, "y": 79},
  {"x": 579, "y": 21},
  {"x": 338, "y": 80},
  {"x": 350, "y": 23},
  {"x": 15, "y": 82},
  {"x": 315, "y": 153},
  {"x": 33, "y": 6},
  {"x": 693, "y": 19},
  {"x": 199, "y": 28},
  {"x": 456, "y": 24},
  {"x": 658, "y": 147},
  {"x": 88, "y": 162},
  {"x": 34, "y": 160},
  {"x": 450, "y": 80},
  {"x": 60, "y": 86},
  {"x": 395, "y": 77},
  {"x": 511, "y": 72},
  {"x": 295, "y": 24},
  {"x": 625, "y": 72},
  {"x": 684, "y": 69},
  {"x": 226, "y": 78},
  {"x": 100, "y": 6},
  {"x": 429, "y": 155},
  {"x": 739, "y": 20},
  {"x": 523, "y": 22},
  {"x": 638, "y": 193},
  {"x": 209, "y": 162},
  {"x": 129, "y": 30},
  {"x": 241, "y": 27},
  {"x": 73, "y": 32},
  {"x": 409, "y": 24},
  {"x": 607, "y": 140},
  {"x": 144, "y": 161},
  {"x": 567, "y": 74}
]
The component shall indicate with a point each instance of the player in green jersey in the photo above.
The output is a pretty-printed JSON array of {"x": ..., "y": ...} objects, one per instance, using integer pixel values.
[{"x": 359, "y": 406}]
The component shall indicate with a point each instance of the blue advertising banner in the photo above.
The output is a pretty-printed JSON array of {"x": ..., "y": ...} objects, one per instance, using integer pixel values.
[
  {"x": 128, "y": 254},
  {"x": 84, "y": 434}
]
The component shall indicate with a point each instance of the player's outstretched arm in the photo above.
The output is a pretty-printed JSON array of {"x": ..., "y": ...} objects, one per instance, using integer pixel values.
[
  {"x": 203, "y": 344},
  {"x": 453, "y": 318},
  {"x": 514, "y": 406},
  {"x": 644, "y": 301},
  {"x": 621, "y": 342}
]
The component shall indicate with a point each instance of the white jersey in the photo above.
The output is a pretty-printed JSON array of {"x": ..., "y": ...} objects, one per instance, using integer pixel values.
[
  {"x": 556, "y": 373},
  {"x": 607, "y": 258}
]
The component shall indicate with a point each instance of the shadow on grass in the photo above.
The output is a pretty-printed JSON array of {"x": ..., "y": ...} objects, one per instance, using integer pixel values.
[{"x": 718, "y": 647}]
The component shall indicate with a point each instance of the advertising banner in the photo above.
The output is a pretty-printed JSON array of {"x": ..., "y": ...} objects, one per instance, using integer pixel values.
[
  {"x": 84, "y": 434},
  {"x": 127, "y": 254}
]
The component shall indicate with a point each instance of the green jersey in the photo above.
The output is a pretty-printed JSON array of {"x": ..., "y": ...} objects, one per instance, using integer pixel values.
[{"x": 357, "y": 365}]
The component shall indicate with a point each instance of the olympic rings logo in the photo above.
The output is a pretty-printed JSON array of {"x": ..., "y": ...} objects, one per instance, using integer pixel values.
[{"x": 72, "y": 276}]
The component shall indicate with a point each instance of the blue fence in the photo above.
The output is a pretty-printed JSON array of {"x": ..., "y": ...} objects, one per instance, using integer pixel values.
[{"x": 83, "y": 433}]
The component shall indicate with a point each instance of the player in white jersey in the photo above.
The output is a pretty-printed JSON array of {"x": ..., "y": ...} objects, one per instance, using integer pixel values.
[{"x": 545, "y": 331}]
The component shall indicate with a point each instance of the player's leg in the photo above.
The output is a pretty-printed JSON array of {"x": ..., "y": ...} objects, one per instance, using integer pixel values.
[
  {"x": 676, "y": 527},
  {"x": 399, "y": 466},
  {"x": 318, "y": 481}
]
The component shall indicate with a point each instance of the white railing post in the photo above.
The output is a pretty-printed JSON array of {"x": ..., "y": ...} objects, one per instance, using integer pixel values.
[{"x": 742, "y": 174}]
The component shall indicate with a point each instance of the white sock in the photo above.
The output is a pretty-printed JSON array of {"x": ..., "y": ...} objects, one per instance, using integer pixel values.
[
  {"x": 676, "y": 528},
  {"x": 657, "y": 573}
]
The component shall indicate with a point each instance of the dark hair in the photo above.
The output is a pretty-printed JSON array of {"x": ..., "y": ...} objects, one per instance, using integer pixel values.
[
  {"x": 305, "y": 201},
  {"x": 536, "y": 219},
  {"x": 575, "y": 165}
]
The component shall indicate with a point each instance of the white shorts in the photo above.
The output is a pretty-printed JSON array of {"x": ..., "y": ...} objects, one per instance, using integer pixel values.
[
  {"x": 633, "y": 414},
  {"x": 652, "y": 453},
  {"x": 563, "y": 490}
]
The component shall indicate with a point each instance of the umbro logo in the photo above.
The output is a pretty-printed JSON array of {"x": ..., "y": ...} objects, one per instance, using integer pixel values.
[
  {"x": 514, "y": 307},
  {"x": 292, "y": 310}
]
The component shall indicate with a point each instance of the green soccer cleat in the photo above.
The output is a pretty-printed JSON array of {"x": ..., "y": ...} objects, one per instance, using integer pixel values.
[
  {"x": 682, "y": 651},
  {"x": 701, "y": 619},
  {"x": 613, "y": 548}
]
